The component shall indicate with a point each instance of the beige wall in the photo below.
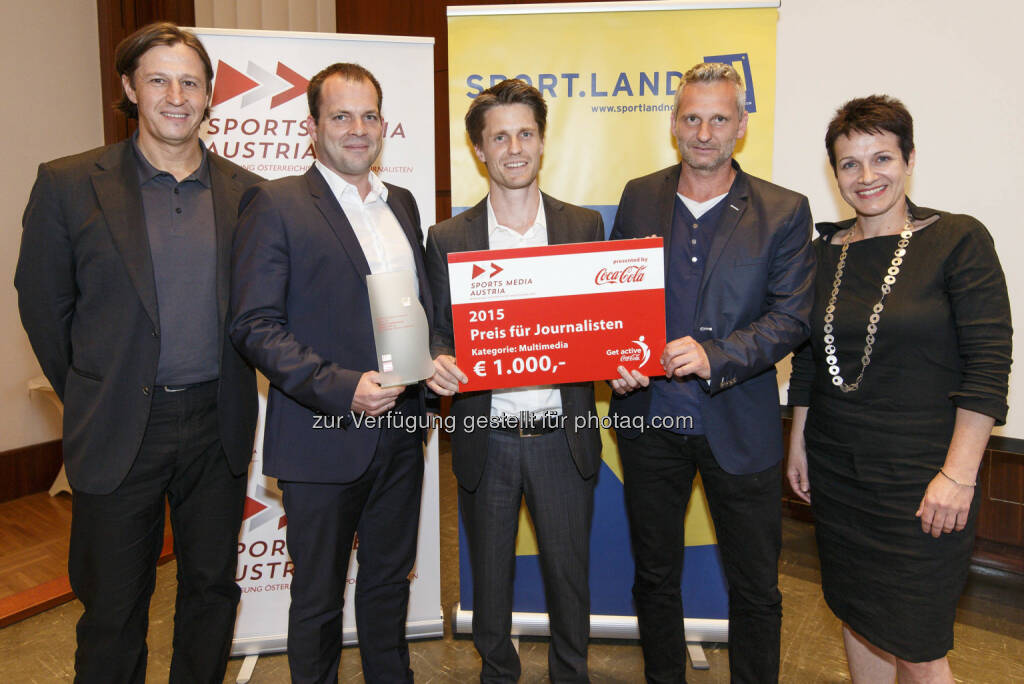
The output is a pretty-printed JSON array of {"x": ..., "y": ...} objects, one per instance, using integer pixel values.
[
  {"x": 51, "y": 85},
  {"x": 50, "y": 53},
  {"x": 274, "y": 15}
]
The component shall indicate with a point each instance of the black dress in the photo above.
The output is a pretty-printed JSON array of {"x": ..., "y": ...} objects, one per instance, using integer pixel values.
[{"x": 943, "y": 342}]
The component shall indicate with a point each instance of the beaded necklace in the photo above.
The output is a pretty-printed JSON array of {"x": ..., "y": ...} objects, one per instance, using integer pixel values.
[{"x": 831, "y": 361}]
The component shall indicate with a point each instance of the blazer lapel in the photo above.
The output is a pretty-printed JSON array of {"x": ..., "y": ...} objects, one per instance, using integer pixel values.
[
  {"x": 559, "y": 232},
  {"x": 736, "y": 204},
  {"x": 329, "y": 207},
  {"x": 477, "y": 238},
  {"x": 227, "y": 193},
  {"x": 665, "y": 207},
  {"x": 116, "y": 184}
]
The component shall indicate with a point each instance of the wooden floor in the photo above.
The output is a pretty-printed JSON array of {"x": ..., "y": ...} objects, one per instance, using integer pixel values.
[
  {"x": 989, "y": 631},
  {"x": 34, "y": 534}
]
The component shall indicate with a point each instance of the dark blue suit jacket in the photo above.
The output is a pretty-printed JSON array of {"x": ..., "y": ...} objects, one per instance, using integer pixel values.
[
  {"x": 301, "y": 316},
  {"x": 753, "y": 307}
]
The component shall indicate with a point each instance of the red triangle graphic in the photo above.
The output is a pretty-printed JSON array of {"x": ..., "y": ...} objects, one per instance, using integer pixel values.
[
  {"x": 229, "y": 83},
  {"x": 477, "y": 271},
  {"x": 298, "y": 86},
  {"x": 252, "y": 507}
]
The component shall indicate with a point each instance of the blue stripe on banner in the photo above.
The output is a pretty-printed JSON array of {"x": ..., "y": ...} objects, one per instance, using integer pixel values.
[
  {"x": 611, "y": 566},
  {"x": 607, "y": 212}
]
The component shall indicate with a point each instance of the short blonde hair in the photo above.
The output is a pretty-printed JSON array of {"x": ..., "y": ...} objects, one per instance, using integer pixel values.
[{"x": 710, "y": 72}]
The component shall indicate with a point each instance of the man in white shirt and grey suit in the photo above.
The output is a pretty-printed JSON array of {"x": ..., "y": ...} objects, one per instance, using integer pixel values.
[{"x": 550, "y": 461}]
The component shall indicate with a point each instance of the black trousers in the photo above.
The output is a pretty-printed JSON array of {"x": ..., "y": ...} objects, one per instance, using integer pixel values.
[
  {"x": 561, "y": 505},
  {"x": 116, "y": 540},
  {"x": 383, "y": 507},
  {"x": 658, "y": 468}
]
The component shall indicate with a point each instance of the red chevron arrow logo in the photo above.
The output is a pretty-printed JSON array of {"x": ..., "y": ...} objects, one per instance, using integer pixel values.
[
  {"x": 229, "y": 83},
  {"x": 298, "y": 86},
  {"x": 497, "y": 269},
  {"x": 252, "y": 507},
  {"x": 477, "y": 271}
]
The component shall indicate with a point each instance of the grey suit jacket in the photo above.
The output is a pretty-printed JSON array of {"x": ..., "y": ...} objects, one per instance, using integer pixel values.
[
  {"x": 753, "y": 306},
  {"x": 566, "y": 223},
  {"x": 88, "y": 302}
]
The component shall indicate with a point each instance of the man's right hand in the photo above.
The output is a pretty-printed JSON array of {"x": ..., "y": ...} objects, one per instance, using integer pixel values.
[
  {"x": 372, "y": 399},
  {"x": 629, "y": 381},
  {"x": 447, "y": 376}
]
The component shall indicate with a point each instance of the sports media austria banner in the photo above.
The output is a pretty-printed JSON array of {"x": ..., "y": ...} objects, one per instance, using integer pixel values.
[
  {"x": 609, "y": 73},
  {"x": 258, "y": 121}
]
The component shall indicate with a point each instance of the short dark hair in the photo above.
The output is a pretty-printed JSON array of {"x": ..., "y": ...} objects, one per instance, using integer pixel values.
[
  {"x": 872, "y": 114},
  {"x": 349, "y": 72},
  {"x": 509, "y": 91},
  {"x": 131, "y": 49}
]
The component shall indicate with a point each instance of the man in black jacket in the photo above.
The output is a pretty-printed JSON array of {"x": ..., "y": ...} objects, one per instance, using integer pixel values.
[
  {"x": 554, "y": 467},
  {"x": 123, "y": 290}
]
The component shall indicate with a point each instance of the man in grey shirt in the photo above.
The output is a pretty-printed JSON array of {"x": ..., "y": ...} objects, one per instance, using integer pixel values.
[{"x": 123, "y": 290}]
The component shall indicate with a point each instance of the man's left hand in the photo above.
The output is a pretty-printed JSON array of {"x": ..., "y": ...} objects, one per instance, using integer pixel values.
[
  {"x": 447, "y": 376},
  {"x": 685, "y": 356}
]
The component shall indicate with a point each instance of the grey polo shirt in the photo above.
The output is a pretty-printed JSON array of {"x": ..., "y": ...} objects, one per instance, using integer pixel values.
[{"x": 183, "y": 245}]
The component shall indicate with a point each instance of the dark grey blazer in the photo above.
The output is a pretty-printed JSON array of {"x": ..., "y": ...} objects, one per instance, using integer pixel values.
[
  {"x": 87, "y": 299},
  {"x": 566, "y": 223},
  {"x": 753, "y": 307}
]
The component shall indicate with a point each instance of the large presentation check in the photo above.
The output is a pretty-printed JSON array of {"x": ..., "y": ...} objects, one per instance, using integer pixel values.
[{"x": 558, "y": 313}]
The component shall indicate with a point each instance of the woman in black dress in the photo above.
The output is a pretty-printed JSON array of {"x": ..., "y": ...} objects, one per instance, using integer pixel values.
[{"x": 894, "y": 398}]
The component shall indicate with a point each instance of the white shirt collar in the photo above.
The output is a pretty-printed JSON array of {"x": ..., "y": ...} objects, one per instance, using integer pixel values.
[
  {"x": 346, "y": 192},
  {"x": 540, "y": 223}
]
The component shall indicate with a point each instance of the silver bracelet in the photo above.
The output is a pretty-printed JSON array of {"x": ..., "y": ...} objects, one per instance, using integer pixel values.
[{"x": 961, "y": 484}]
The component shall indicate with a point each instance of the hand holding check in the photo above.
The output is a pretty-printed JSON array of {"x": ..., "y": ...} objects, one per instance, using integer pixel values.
[
  {"x": 447, "y": 376},
  {"x": 681, "y": 357}
]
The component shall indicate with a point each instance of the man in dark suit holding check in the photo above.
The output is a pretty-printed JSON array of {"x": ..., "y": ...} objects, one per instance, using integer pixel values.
[
  {"x": 738, "y": 275},
  {"x": 301, "y": 315},
  {"x": 123, "y": 290},
  {"x": 530, "y": 452}
]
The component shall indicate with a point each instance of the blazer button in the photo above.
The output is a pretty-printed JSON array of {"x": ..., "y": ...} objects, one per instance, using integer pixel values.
[
  {"x": 156, "y": 334},
  {"x": 145, "y": 390}
]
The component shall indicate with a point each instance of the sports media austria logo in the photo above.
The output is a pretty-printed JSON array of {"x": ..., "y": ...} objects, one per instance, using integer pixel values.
[
  {"x": 251, "y": 126},
  {"x": 480, "y": 270},
  {"x": 257, "y": 514},
  {"x": 743, "y": 65},
  {"x": 260, "y": 84}
]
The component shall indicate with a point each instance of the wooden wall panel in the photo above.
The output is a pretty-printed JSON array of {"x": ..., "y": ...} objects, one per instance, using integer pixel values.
[
  {"x": 1001, "y": 488},
  {"x": 118, "y": 19},
  {"x": 29, "y": 469},
  {"x": 423, "y": 18}
]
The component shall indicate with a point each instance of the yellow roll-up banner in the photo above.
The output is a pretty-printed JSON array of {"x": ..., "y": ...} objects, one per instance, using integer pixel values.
[{"x": 609, "y": 73}]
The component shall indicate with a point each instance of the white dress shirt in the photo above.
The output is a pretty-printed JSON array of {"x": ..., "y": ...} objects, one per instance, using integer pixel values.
[
  {"x": 537, "y": 399},
  {"x": 382, "y": 239}
]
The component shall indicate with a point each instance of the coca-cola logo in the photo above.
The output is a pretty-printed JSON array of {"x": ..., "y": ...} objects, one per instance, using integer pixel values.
[{"x": 629, "y": 274}]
